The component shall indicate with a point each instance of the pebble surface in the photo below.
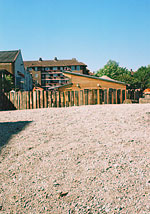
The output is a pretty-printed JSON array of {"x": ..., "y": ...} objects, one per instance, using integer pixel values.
[{"x": 76, "y": 160}]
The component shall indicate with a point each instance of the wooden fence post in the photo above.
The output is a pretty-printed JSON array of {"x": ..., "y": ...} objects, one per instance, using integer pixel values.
[
  {"x": 90, "y": 95},
  {"x": 63, "y": 94},
  {"x": 28, "y": 100},
  {"x": 95, "y": 96},
  {"x": 100, "y": 96},
  {"x": 45, "y": 99},
  {"x": 24, "y": 100},
  {"x": 114, "y": 96},
  {"x": 105, "y": 96},
  {"x": 15, "y": 99},
  {"x": 127, "y": 94},
  {"x": 55, "y": 99},
  {"x": 123, "y": 95},
  {"x": 110, "y": 95},
  {"x": 118, "y": 96},
  {"x": 38, "y": 98},
  {"x": 66, "y": 99},
  {"x": 31, "y": 99},
  {"x": 81, "y": 97},
  {"x": 86, "y": 96},
  {"x": 69, "y": 98},
  {"x": 42, "y": 99},
  {"x": 34, "y": 99},
  {"x": 20, "y": 100},
  {"x": 76, "y": 98},
  {"x": 72, "y": 98}
]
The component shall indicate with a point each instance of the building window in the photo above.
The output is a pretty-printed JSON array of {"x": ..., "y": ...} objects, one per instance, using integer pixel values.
[
  {"x": 29, "y": 69},
  {"x": 72, "y": 67},
  {"x": 36, "y": 75},
  {"x": 78, "y": 67},
  {"x": 36, "y": 69},
  {"x": 47, "y": 69},
  {"x": 54, "y": 68},
  {"x": 61, "y": 68}
]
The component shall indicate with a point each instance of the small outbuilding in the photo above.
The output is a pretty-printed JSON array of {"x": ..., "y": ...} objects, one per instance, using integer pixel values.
[{"x": 82, "y": 82}]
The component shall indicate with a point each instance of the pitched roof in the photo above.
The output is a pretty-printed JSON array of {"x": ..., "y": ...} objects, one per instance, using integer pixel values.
[
  {"x": 61, "y": 86},
  {"x": 50, "y": 63},
  {"x": 8, "y": 56},
  {"x": 94, "y": 77}
]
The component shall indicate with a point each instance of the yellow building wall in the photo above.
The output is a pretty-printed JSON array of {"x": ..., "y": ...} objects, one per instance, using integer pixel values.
[
  {"x": 8, "y": 67},
  {"x": 81, "y": 83}
]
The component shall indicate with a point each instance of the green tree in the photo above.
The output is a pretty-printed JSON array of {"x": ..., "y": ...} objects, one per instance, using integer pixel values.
[
  {"x": 6, "y": 83},
  {"x": 142, "y": 77},
  {"x": 109, "y": 69},
  {"x": 114, "y": 71}
]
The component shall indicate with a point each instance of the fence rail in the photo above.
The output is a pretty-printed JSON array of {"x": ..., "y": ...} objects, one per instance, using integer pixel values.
[{"x": 47, "y": 99}]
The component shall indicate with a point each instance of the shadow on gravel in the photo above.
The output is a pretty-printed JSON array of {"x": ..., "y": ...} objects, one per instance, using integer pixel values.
[{"x": 7, "y": 129}]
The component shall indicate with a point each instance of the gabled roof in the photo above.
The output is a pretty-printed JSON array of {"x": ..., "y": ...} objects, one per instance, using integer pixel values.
[
  {"x": 94, "y": 77},
  {"x": 8, "y": 56},
  {"x": 51, "y": 63}
]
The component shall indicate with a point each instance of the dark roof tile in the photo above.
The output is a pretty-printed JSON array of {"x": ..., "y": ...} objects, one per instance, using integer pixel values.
[
  {"x": 50, "y": 63},
  {"x": 8, "y": 56}
]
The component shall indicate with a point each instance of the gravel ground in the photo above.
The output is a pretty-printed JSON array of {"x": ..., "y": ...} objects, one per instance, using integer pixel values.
[{"x": 87, "y": 159}]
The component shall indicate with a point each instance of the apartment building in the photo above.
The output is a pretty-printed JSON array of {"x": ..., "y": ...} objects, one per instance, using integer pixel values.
[{"x": 49, "y": 73}]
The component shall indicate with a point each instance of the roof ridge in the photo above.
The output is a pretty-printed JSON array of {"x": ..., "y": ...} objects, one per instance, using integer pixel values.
[
  {"x": 11, "y": 50},
  {"x": 51, "y": 60},
  {"x": 94, "y": 77}
]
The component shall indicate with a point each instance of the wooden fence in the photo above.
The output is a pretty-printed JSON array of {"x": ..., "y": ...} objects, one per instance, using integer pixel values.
[
  {"x": 134, "y": 95},
  {"x": 47, "y": 99}
]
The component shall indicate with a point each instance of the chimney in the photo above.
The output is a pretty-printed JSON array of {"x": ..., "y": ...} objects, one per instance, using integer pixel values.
[
  {"x": 131, "y": 72},
  {"x": 40, "y": 59},
  {"x": 55, "y": 58}
]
